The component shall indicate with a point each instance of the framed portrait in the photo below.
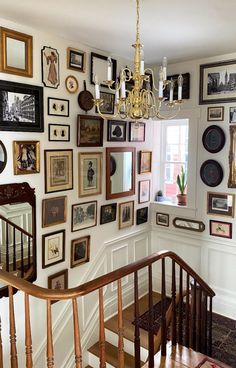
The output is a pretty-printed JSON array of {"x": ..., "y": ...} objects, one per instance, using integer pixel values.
[
  {"x": 58, "y": 170},
  {"x": 108, "y": 213},
  {"x": 185, "y": 88},
  {"x": 145, "y": 162},
  {"x": 221, "y": 229},
  {"x": 58, "y": 107},
  {"x": 58, "y": 281},
  {"x": 126, "y": 214},
  {"x": 21, "y": 107},
  {"x": 76, "y": 60},
  {"x": 80, "y": 251},
  {"x": 84, "y": 215},
  {"x": 53, "y": 248},
  {"x": 54, "y": 211},
  {"x": 136, "y": 131},
  {"x": 16, "y": 55},
  {"x": 144, "y": 191},
  {"x": 217, "y": 82},
  {"x": 221, "y": 204},
  {"x": 162, "y": 219},
  {"x": 50, "y": 67},
  {"x": 58, "y": 133},
  {"x": 89, "y": 131},
  {"x": 142, "y": 215},
  {"x": 90, "y": 173},
  {"x": 99, "y": 68},
  {"x": 232, "y": 114},
  {"x": 3, "y": 157},
  {"x": 116, "y": 131},
  {"x": 232, "y": 160},
  {"x": 108, "y": 104},
  {"x": 26, "y": 157},
  {"x": 215, "y": 113},
  {"x": 72, "y": 84}
]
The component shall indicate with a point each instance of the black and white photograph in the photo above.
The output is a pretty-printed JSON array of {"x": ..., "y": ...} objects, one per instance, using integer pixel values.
[
  {"x": 18, "y": 107},
  {"x": 215, "y": 113},
  {"x": 58, "y": 133},
  {"x": 232, "y": 114},
  {"x": 220, "y": 204},
  {"x": 162, "y": 219},
  {"x": 142, "y": 215},
  {"x": 84, "y": 215},
  {"x": 107, "y": 106},
  {"x": 116, "y": 131},
  {"x": 108, "y": 213},
  {"x": 90, "y": 166},
  {"x": 126, "y": 214},
  {"x": 76, "y": 59}
]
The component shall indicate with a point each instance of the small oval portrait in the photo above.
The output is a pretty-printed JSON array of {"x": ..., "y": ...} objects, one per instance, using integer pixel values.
[
  {"x": 3, "y": 157},
  {"x": 72, "y": 84}
]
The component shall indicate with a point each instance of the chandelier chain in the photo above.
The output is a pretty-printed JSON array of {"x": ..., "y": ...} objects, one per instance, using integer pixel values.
[{"x": 137, "y": 23}]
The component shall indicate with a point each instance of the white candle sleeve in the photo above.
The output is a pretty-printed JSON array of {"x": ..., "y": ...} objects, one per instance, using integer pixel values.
[
  {"x": 117, "y": 96},
  {"x": 123, "y": 95},
  {"x": 171, "y": 93},
  {"x": 109, "y": 69},
  {"x": 97, "y": 91},
  {"x": 180, "y": 93},
  {"x": 160, "y": 91}
]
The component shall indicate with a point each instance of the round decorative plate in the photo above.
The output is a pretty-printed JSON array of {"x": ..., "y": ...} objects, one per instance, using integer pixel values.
[
  {"x": 211, "y": 173},
  {"x": 213, "y": 139}
]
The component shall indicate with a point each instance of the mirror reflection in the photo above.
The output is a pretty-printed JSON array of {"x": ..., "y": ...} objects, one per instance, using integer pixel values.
[{"x": 15, "y": 53}]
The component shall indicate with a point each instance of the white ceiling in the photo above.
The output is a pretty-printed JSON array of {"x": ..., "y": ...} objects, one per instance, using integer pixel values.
[{"x": 178, "y": 29}]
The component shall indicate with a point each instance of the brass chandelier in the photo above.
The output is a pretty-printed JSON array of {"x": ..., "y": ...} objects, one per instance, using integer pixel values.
[{"x": 141, "y": 102}]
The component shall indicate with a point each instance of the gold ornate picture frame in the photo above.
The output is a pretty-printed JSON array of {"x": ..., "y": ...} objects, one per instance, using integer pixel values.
[
  {"x": 232, "y": 160},
  {"x": 26, "y": 157}
]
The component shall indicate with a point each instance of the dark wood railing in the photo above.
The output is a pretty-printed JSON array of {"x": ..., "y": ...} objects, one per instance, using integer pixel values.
[{"x": 190, "y": 311}]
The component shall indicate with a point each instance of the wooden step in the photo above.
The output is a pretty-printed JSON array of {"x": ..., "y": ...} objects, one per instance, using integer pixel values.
[{"x": 112, "y": 355}]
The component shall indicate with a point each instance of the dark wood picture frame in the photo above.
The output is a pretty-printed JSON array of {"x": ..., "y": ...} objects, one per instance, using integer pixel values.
[
  {"x": 54, "y": 211},
  {"x": 58, "y": 107},
  {"x": 116, "y": 131},
  {"x": 51, "y": 278},
  {"x": 47, "y": 262},
  {"x": 188, "y": 224},
  {"x": 219, "y": 231},
  {"x": 80, "y": 255},
  {"x": 108, "y": 213},
  {"x": 95, "y": 56},
  {"x": 75, "y": 64},
  {"x": 221, "y": 204},
  {"x": 79, "y": 214},
  {"x": 86, "y": 125},
  {"x": 142, "y": 215},
  {"x": 213, "y": 139}
]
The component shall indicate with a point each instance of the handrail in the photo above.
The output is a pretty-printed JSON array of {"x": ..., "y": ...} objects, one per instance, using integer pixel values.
[
  {"x": 15, "y": 226},
  {"x": 88, "y": 287}
]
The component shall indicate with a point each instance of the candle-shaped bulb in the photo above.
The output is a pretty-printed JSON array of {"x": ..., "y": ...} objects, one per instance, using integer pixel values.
[
  {"x": 117, "y": 94},
  {"x": 160, "y": 89},
  {"x": 180, "y": 86},
  {"x": 141, "y": 61},
  {"x": 109, "y": 68},
  {"x": 97, "y": 89},
  {"x": 164, "y": 67}
]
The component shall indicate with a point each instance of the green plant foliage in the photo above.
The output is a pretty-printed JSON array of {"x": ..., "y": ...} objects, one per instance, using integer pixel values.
[{"x": 181, "y": 181}]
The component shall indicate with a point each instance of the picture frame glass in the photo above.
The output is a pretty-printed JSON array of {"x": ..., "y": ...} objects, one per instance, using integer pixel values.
[
  {"x": 50, "y": 67},
  {"x": 76, "y": 59},
  {"x": 116, "y": 131},
  {"x": 215, "y": 113},
  {"x": 137, "y": 132},
  {"x": 107, "y": 106},
  {"x": 58, "y": 133},
  {"x": 220, "y": 204},
  {"x": 53, "y": 248},
  {"x": 142, "y": 215},
  {"x": 144, "y": 191},
  {"x": 99, "y": 68},
  {"x": 221, "y": 229},
  {"x": 84, "y": 215},
  {"x": 145, "y": 162},
  {"x": 90, "y": 169},
  {"x": 58, "y": 170},
  {"x": 232, "y": 114},
  {"x": 162, "y": 219},
  {"x": 108, "y": 213},
  {"x": 58, "y": 107}
]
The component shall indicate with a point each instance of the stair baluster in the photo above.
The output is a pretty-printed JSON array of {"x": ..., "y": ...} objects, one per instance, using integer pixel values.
[
  {"x": 199, "y": 318},
  {"x": 14, "y": 249},
  {"x": 180, "y": 309},
  {"x": 173, "y": 301},
  {"x": 50, "y": 352},
  {"x": 121, "y": 358},
  {"x": 163, "y": 308},
  {"x": 14, "y": 360},
  {"x": 77, "y": 342},
  {"x": 102, "y": 353},
  {"x": 22, "y": 254},
  {"x": 136, "y": 315},
  {"x": 28, "y": 338},
  {"x": 204, "y": 339},
  {"x": 1, "y": 356},
  {"x": 7, "y": 248},
  {"x": 28, "y": 252},
  {"x": 187, "y": 311},
  {"x": 150, "y": 332}
]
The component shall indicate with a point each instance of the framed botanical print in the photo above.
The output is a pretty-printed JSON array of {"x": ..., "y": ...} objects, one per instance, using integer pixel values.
[
  {"x": 26, "y": 157},
  {"x": 58, "y": 281},
  {"x": 84, "y": 215},
  {"x": 144, "y": 191},
  {"x": 221, "y": 229},
  {"x": 136, "y": 131},
  {"x": 76, "y": 60},
  {"x": 53, "y": 248},
  {"x": 221, "y": 204},
  {"x": 54, "y": 211},
  {"x": 50, "y": 67},
  {"x": 142, "y": 215},
  {"x": 90, "y": 173},
  {"x": 145, "y": 162},
  {"x": 58, "y": 133},
  {"x": 58, "y": 170},
  {"x": 116, "y": 131},
  {"x": 80, "y": 251},
  {"x": 89, "y": 131},
  {"x": 126, "y": 214},
  {"x": 108, "y": 213},
  {"x": 58, "y": 107}
]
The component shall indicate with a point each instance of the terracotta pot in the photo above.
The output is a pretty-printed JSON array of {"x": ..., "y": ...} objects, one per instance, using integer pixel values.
[{"x": 182, "y": 199}]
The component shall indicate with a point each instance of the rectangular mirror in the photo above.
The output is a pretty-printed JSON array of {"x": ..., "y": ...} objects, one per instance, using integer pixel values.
[{"x": 120, "y": 172}]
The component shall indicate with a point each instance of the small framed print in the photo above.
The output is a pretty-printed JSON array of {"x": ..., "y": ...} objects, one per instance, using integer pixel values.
[
  {"x": 72, "y": 84},
  {"x": 136, "y": 131},
  {"x": 90, "y": 173},
  {"x": 142, "y": 215},
  {"x": 89, "y": 131},
  {"x": 58, "y": 170},
  {"x": 126, "y": 214},
  {"x": 221, "y": 204},
  {"x": 80, "y": 251},
  {"x": 53, "y": 248},
  {"x": 58, "y": 133},
  {"x": 221, "y": 229},
  {"x": 116, "y": 131},
  {"x": 54, "y": 211},
  {"x": 107, "y": 106},
  {"x": 26, "y": 157},
  {"x": 58, "y": 107},
  {"x": 84, "y": 215},
  {"x": 144, "y": 191},
  {"x": 162, "y": 219},
  {"x": 58, "y": 281},
  {"x": 232, "y": 114},
  {"x": 145, "y": 162},
  {"x": 108, "y": 213},
  {"x": 50, "y": 67},
  {"x": 215, "y": 113},
  {"x": 76, "y": 59}
]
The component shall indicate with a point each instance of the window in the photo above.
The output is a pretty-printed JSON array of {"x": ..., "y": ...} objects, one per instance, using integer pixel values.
[{"x": 174, "y": 154}]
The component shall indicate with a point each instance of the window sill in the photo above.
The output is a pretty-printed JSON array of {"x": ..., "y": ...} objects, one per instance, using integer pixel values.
[{"x": 173, "y": 209}]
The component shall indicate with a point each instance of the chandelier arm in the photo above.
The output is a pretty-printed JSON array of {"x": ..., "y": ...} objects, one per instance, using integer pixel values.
[
  {"x": 104, "y": 116},
  {"x": 153, "y": 79},
  {"x": 168, "y": 117}
]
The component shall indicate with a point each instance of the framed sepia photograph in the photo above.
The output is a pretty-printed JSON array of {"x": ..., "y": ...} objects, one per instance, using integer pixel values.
[
  {"x": 108, "y": 104},
  {"x": 145, "y": 162},
  {"x": 116, "y": 131},
  {"x": 50, "y": 67},
  {"x": 21, "y": 107},
  {"x": 26, "y": 157},
  {"x": 144, "y": 191},
  {"x": 142, "y": 215},
  {"x": 232, "y": 114},
  {"x": 221, "y": 204},
  {"x": 232, "y": 157},
  {"x": 126, "y": 214},
  {"x": 84, "y": 215},
  {"x": 58, "y": 170},
  {"x": 80, "y": 251},
  {"x": 162, "y": 219},
  {"x": 16, "y": 53},
  {"x": 217, "y": 82},
  {"x": 99, "y": 68},
  {"x": 71, "y": 84},
  {"x": 90, "y": 173},
  {"x": 108, "y": 213},
  {"x": 58, "y": 107},
  {"x": 215, "y": 113},
  {"x": 221, "y": 229},
  {"x": 89, "y": 131},
  {"x": 58, "y": 281},
  {"x": 76, "y": 60},
  {"x": 58, "y": 133},
  {"x": 53, "y": 248},
  {"x": 54, "y": 211},
  {"x": 136, "y": 131}
]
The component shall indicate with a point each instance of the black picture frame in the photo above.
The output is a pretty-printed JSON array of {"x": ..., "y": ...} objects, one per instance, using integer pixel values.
[
  {"x": 116, "y": 131},
  {"x": 185, "y": 90},
  {"x": 62, "y": 107},
  {"x": 108, "y": 213},
  {"x": 211, "y": 173},
  {"x": 34, "y": 115},
  {"x": 95, "y": 56},
  {"x": 50, "y": 67},
  {"x": 213, "y": 139},
  {"x": 55, "y": 133},
  {"x": 142, "y": 215},
  {"x": 108, "y": 105}
]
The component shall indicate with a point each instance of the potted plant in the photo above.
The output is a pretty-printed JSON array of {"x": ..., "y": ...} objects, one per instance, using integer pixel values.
[
  {"x": 182, "y": 182},
  {"x": 159, "y": 196}
]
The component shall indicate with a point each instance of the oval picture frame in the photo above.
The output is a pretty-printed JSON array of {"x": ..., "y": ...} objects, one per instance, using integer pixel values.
[
  {"x": 211, "y": 173},
  {"x": 72, "y": 84},
  {"x": 3, "y": 157},
  {"x": 213, "y": 139}
]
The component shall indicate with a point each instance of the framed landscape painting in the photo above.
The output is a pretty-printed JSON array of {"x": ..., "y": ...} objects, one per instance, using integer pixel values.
[
  {"x": 90, "y": 173},
  {"x": 76, "y": 59},
  {"x": 89, "y": 131}
]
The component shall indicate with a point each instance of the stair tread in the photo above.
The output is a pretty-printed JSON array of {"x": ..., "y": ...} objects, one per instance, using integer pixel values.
[{"x": 112, "y": 355}]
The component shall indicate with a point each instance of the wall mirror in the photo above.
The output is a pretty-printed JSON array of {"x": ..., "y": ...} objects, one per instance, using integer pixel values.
[
  {"x": 120, "y": 172},
  {"x": 189, "y": 224},
  {"x": 3, "y": 157},
  {"x": 17, "y": 231}
]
